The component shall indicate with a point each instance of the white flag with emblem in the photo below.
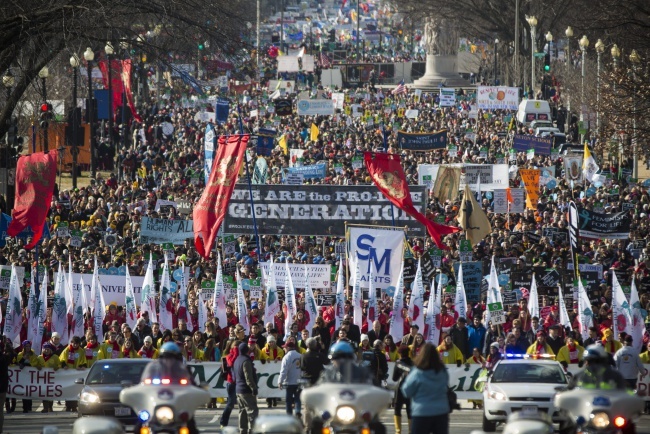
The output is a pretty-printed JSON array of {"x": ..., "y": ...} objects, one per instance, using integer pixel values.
[
  {"x": 533, "y": 299},
  {"x": 59, "y": 306},
  {"x": 460, "y": 303},
  {"x": 131, "y": 310},
  {"x": 433, "y": 313},
  {"x": 272, "y": 302},
  {"x": 621, "y": 311},
  {"x": 397, "y": 322},
  {"x": 416, "y": 303},
  {"x": 585, "y": 314}
]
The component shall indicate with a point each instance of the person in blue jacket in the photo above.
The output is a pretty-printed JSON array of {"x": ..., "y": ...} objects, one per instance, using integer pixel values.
[
  {"x": 426, "y": 386},
  {"x": 476, "y": 332}
]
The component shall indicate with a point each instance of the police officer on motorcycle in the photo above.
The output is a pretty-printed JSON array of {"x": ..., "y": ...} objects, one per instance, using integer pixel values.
[
  {"x": 598, "y": 374},
  {"x": 169, "y": 364},
  {"x": 343, "y": 368}
]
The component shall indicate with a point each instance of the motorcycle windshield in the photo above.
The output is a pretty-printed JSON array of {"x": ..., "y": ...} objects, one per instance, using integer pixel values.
[
  {"x": 166, "y": 371},
  {"x": 346, "y": 373}
]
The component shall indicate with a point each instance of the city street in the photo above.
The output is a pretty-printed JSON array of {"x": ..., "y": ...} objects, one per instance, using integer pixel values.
[{"x": 462, "y": 422}]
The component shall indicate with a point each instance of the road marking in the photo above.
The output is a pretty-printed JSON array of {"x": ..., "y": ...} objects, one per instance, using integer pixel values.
[{"x": 214, "y": 419}]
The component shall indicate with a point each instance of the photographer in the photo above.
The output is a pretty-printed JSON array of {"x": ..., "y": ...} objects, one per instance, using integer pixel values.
[
  {"x": 378, "y": 364},
  {"x": 312, "y": 362}
]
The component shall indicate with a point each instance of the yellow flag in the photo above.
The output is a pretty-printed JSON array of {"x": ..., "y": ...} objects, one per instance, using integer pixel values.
[
  {"x": 472, "y": 218},
  {"x": 283, "y": 144},
  {"x": 313, "y": 132},
  {"x": 142, "y": 172}
]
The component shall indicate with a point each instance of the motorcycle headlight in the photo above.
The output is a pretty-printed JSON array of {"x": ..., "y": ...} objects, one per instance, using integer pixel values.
[
  {"x": 499, "y": 396},
  {"x": 346, "y": 414},
  {"x": 164, "y": 415},
  {"x": 600, "y": 420},
  {"x": 89, "y": 397}
]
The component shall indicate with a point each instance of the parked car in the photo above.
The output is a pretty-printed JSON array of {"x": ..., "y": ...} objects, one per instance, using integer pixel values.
[
  {"x": 100, "y": 395},
  {"x": 521, "y": 384}
]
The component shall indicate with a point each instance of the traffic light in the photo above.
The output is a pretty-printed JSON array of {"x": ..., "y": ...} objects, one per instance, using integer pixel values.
[
  {"x": 332, "y": 35},
  {"x": 201, "y": 46},
  {"x": 547, "y": 62},
  {"x": 46, "y": 114},
  {"x": 12, "y": 132}
]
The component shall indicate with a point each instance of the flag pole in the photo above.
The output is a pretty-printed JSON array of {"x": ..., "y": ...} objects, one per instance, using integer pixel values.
[
  {"x": 250, "y": 189},
  {"x": 383, "y": 133}
]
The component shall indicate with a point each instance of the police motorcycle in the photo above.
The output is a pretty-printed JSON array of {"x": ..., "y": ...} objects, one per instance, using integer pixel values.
[
  {"x": 345, "y": 399},
  {"x": 600, "y": 409},
  {"x": 524, "y": 422},
  {"x": 166, "y": 399}
]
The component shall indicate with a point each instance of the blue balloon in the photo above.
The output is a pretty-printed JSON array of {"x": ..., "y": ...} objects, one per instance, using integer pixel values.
[
  {"x": 121, "y": 270},
  {"x": 503, "y": 279},
  {"x": 173, "y": 287},
  {"x": 178, "y": 274},
  {"x": 390, "y": 291},
  {"x": 113, "y": 271}
]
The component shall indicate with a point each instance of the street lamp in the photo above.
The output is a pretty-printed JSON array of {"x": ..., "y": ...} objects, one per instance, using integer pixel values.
[
  {"x": 635, "y": 59},
  {"x": 109, "y": 50},
  {"x": 74, "y": 150},
  {"x": 43, "y": 74},
  {"x": 549, "y": 39},
  {"x": 8, "y": 81},
  {"x": 89, "y": 55},
  {"x": 496, "y": 51},
  {"x": 569, "y": 34},
  {"x": 532, "y": 21},
  {"x": 616, "y": 54},
  {"x": 600, "y": 49},
  {"x": 584, "y": 43}
]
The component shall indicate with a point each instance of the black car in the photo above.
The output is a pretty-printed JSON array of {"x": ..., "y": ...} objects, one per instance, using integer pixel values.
[{"x": 100, "y": 395}]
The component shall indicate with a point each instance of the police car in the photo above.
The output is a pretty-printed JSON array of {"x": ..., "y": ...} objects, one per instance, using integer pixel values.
[{"x": 521, "y": 384}]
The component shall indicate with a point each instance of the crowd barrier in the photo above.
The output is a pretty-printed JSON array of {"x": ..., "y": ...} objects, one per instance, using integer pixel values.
[{"x": 29, "y": 383}]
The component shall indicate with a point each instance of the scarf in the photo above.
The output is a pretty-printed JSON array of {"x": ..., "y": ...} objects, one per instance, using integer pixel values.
[
  {"x": 146, "y": 353},
  {"x": 540, "y": 349},
  {"x": 126, "y": 353},
  {"x": 478, "y": 359},
  {"x": 46, "y": 358},
  {"x": 89, "y": 350},
  {"x": 612, "y": 346},
  {"x": 573, "y": 353},
  {"x": 268, "y": 353},
  {"x": 71, "y": 355}
]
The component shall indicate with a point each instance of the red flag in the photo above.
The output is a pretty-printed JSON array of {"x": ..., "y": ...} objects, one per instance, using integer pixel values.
[
  {"x": 387, "y": 174},
  {"x": 210, "y": 210},
  {"x": 126, "y": 80},
  {"x": 35, "y": 178},
  {"x": 116, "y": 80}
]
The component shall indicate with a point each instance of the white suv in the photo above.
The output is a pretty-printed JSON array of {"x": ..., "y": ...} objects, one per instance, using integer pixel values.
[{"x": 521, "y": 384}]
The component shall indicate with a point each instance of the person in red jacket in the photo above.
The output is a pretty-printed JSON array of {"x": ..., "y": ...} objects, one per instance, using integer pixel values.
[{"x": 232, "y": 351}]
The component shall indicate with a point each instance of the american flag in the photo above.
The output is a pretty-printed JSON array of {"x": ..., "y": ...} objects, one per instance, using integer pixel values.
[
  {"x": 325, "y": 61},
  {"x": 400, "y": 89}
]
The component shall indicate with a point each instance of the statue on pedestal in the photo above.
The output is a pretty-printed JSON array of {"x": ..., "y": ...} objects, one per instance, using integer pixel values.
[{"x": 441, "y": 37}]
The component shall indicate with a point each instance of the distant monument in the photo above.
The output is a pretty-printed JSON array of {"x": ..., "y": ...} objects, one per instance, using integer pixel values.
[{"x": 441, "y": 43}]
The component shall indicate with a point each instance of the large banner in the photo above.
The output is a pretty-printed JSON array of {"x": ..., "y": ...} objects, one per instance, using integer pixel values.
[
  {"x": 52, "y": 385},
  {"x": 313, "y": 171},
  {"x": 603, "y": 226},
  {"x": 316, "y": 209},
  {"x": 159, "y": 231},
  {"x": 497, "y": 98},
  {"x": 113, "y": 287},
  {"x": 541, "y": 145},
  {"x": 320, "y": 276},
  {"x": 493, "y": 176},
  {"x": 378, "y": 251},
  {"x": 422, "y": 141},
  {"x": 315, "y": 107}
]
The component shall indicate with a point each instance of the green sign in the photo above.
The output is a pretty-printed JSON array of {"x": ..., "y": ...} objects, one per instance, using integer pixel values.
[
  {"x": 465, "y": 246},
  {"x": 495, "y": 307},
  {"x": 540, "y": 54}
]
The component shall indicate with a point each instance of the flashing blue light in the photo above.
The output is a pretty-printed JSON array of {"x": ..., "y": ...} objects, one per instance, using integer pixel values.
[
  {"x": 580, "y": 421},
  {"x": 326, "y": 415},
  {"x": 144, "y": 415},
  {"x": 106, "y": 366},
  {"x": 156, "y": 381},
  {"x": 514, "y": 356}
]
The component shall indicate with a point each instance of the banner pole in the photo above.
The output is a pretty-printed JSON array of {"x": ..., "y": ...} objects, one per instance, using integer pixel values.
[
  {"x": 392, "y": 208},
  {"x": 250, "y": 190}
]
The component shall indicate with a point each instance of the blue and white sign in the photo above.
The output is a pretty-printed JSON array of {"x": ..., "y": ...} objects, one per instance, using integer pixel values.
[
  {"x": 314, "y": 171},
  {"x": 379, "y": 250},
  {"x": 159, "y": 231},
  {"x": 208, "y": 144},
  {"x": 314, "y": 107}
]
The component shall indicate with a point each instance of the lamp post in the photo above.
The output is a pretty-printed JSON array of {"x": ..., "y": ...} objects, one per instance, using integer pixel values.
[
  {"x": 109, "y": 50},
  {"x": 74, "y": 149},
  {"x": 616, "y": 54},
  {"x": 569, "y": 34},
  {"x": 496, "y": 51},
  {"x": 358, "y": 29},
  {"x": 532, "y": 21},
  {"x": 545, "y": 82},
  {"x": 8, "y": 81},
  {"x": 124, "y": 46},
  {"x": 600, "y": 49},
  {"x": 584, "y": 43},
  {"x": 89, "y": 55},
  {"x": 43, "y": 74},
  {"x": 549, "y": 39},
  {"x": 635, "y": 59}
]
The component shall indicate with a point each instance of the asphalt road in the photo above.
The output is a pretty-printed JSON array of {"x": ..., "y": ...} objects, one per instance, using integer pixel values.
[{"x": 462, "y": 422}]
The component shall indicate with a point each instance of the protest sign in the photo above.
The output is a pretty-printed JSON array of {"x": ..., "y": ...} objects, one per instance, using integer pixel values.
[{"x": 158, "y": 231}]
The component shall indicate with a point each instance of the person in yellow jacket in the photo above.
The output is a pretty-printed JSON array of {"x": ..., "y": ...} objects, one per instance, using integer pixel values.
[
  {"x": 540, "y": 347},
  {"x": 127, "y": 351},
  {"x": 48, "y": 360},
  {"x": 148, "y": 351},
  {"x": 610, "y": 344},
  {"x": 450, "y": 353},
  {"x": 476, "y": 359},
  {"x": 390, "y": 349},
  {"x": 110, "y": 349},
  {"x": 73, "y": 356},
  {"x": 91, "y": 350},
  {"x": 570, "y": 354},
  {"x": 271, "y": 353},
  {"x": 645, "y": 357},
  {"x": 27, "y": 357}
]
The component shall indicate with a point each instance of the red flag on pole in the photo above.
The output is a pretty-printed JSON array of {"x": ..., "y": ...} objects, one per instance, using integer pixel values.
[
  {"x": 126, "y": 79},
  {"x": 116, "y": 80},
  {"x": 387, "y": 174},
  {"x": 210, "y": 210},
  {"x": 35, "y": 178}
]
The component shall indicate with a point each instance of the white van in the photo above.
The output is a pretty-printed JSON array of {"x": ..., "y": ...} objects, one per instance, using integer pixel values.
[{"x": 533, "y": 110}]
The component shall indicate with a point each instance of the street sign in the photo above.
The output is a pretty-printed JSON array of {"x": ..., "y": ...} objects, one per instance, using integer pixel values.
[{"x": 540, "y": 54}]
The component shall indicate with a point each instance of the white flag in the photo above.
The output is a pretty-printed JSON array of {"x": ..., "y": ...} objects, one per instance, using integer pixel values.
[
  {"x": 166, "y": 303},
  {"x": 357, "y": 297},
  {"x": 78, "y": 325},
  {"x": 242, "y": 309},
  {"x": 69, "y": 294},
  {"x": 289, "y": 302},
  {"x": 494, "y": 292},
  {"x": 147, "y": 300},
  {"x": 533, "y": 299},
  {"x": 564, "y": 315},
  {"x": 585, "y": 314},
  {"x": 99, "y": 309},
  {"x": 372, "y": 298},
  {"x": 460, "y": 302},
  {"x": 272, "y": 302},
  {"x": 183, "y": 308},
  {"x": 621, "y": 310},
  {"x": 14, "y": 313},
  {"x": 36, "y": 316},
  {"x": 130, "y": 309},
  {"x": 589, "y": 166},
  {"x": 417, "y": 299},
  {"x": 59, "y": 307},
  {"x": 397, "y": 322},
  {"x": 311, "y": 308},
  {"x": 219, "y": 301},
  {"x": 203, "y": 309},
  {"x": 339, "y": 310},
  {"x": 433, "y": 311},
  {"x": 638, "y": 317}
]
